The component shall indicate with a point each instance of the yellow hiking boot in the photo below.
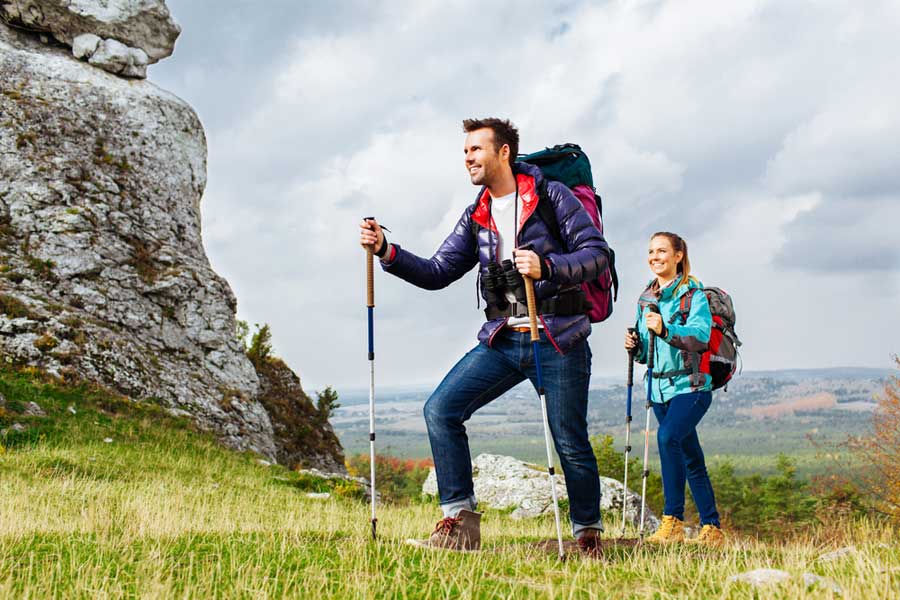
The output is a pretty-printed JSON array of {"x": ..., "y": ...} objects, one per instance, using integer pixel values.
[
  {"x": 671, "y": 531},
  {"x": 709, "y": 536}
]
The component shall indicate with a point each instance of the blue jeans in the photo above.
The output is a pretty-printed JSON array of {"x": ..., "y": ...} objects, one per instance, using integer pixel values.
[
  {"x": 484, "y": 374},
  {"x": 681, "y": 456}
]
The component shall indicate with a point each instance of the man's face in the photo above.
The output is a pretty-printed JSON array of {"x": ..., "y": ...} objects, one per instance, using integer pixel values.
[{"x": 484, "y": 162}]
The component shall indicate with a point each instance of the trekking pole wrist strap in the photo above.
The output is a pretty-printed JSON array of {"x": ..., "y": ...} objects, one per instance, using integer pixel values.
[{"x": 383, "y": 248}]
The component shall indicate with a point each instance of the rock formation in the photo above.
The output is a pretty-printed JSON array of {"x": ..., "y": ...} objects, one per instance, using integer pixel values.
[
  {"x": 504, "y": 482},
  {"x": 120, "y": 36},
  {"x": 103, "y": 275}
]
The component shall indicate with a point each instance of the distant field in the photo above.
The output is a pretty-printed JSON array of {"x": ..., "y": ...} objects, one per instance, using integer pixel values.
[{"x": 759, "y": 417}]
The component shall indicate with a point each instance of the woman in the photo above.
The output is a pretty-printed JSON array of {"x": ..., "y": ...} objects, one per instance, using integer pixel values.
[{"x": 680, "y": 395}]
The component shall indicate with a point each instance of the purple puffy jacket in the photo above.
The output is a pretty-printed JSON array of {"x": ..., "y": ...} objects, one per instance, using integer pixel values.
[{"x": 457, "y": 255}]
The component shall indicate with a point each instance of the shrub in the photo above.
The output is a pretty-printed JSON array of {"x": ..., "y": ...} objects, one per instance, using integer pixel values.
[
  {"x": 326, "y": 403},
  {"x": 46, "y": 342},
  {"x": 397, "y": 480},
  {"x": 880, "y": 451},
  {"x": 260, "y": 349},
  {"x": 13, "y": 307},
  {"x": 611, "y": 463}
]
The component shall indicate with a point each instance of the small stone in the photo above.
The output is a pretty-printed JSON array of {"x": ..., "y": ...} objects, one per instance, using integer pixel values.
[
  {"x": 71, "y": 409},
  {"x": 812, "y": 580},
  {"x": 33, "y": 409},
  {"x": 837, "y": 554},
  {"x": 761, "y": 577},
  {"x": 116, "y": 57},
  {"x": 318, "y": 495},
  {"x": 264, "y": 462},
  {"x": 18, "y": 427},
  {"x": 107, "y": 440},
  {"x": 84, "y": 45}
]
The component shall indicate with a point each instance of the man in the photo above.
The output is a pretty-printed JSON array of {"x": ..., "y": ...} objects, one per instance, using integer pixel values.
[{"x": 502, "y": 223}]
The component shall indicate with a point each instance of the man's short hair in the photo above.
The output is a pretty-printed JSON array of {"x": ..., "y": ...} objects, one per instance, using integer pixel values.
[{"x": 504, "y": 133}]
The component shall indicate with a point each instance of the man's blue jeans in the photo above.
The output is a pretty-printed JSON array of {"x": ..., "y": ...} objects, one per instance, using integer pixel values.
[
  {"x": 484, "y": 374},
  {"x": 681, "y": 456}
]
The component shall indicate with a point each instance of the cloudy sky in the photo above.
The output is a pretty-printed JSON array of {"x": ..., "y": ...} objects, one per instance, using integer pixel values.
[{"x": 767, "y": 133}]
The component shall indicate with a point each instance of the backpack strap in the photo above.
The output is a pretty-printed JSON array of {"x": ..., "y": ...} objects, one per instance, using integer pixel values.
[
  {"x": 691, "y": 360},
  {"x": 548, "y": 215},
  {"x": 684, "y": 307}
]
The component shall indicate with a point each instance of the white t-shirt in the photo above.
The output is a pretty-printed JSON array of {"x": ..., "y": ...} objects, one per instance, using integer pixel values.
[{"x": 503, "y": 213}]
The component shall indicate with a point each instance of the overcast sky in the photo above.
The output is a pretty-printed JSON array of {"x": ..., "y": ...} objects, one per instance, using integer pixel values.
[{"x": 766, "y": 133}]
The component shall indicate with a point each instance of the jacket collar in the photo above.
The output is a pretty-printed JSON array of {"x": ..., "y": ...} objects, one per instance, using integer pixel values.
[
  {"x": 527, "y": 180},
  {"x": 652, "y": 293}
]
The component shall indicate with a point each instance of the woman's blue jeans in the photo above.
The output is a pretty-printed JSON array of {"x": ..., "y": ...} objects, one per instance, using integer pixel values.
[
  {"x": 484, "y": 374},
  {"x": 681, "y": 456}
]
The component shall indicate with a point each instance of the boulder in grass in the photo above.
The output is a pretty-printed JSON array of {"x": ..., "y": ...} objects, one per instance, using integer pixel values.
[
  {"x": 503, "y": 482},
  {"x": 761, "y": 577},
  {"x": 812, "y": 580},
  {"x": 33, "y": 409},
  {"x": 838, "y": 554}
]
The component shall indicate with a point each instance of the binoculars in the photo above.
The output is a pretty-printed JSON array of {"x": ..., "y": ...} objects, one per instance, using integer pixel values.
[{"x": 499, "y": 279}]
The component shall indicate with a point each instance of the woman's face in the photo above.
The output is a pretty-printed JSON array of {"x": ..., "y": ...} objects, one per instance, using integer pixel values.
[{"x": 662, "y": 258}]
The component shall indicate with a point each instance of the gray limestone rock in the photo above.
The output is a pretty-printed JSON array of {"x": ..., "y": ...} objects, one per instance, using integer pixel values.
[
  {"x": 761, "y": 577},
  {"x": 84, "y": 45},
  {"x": 838, "y": 554},
  {"x": 33, "y": 409},
  {"x": 504, "y": 482},
  {"x": 116, "y": 57},
  {"x": 100, "y": 186},
  {"x": 812, "y": 580},
  {"x": 140, "y": 24}
]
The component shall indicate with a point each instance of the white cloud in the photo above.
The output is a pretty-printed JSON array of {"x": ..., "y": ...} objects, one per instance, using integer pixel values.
[{"x": 761, "y": 130}]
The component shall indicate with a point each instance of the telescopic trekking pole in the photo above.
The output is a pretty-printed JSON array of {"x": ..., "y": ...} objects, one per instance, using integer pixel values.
[
  {"x": 370, "y": 305},
  {"x": 650, "y": 353},
  {"x": 631, "y": 330},
  {"x": 535, "y": 338}
]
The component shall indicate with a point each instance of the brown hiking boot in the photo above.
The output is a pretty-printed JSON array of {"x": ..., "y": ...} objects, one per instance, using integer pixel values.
[
  {"x": 589, "y": 544},
  {"x": 461, "y": 533},
  {"x": 671, "y": 531},
  {"x": 710, "y": 536}
]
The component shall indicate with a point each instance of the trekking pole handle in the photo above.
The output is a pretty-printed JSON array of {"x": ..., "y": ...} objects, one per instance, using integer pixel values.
[
  {"x": 370, "y": 274},
  {"x": 631, "y": 331},
  {"x": 532, "y": 308},
  {"x": 652, "y": 345},
  {"x": 370, "y": 279}
]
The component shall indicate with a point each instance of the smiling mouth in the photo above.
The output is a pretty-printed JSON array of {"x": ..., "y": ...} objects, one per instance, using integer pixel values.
[{"x": 474, "y": 168}]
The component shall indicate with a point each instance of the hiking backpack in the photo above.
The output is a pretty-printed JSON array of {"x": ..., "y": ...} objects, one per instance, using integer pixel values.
[
  {"x": 569, "y": 165},
  {"x": 720, "y": 359}
]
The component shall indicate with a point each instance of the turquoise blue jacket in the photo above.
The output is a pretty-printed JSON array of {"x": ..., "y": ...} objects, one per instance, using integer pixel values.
[{"x": 674, "y": 350}]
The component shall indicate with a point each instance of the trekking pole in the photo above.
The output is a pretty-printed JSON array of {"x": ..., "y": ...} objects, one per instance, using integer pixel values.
[
  {"x": 631, "y": 330},
  {"x": 650, "y": 352},
  {"x": 535, "y": 338},
  {"x": 370, "y": 305}
]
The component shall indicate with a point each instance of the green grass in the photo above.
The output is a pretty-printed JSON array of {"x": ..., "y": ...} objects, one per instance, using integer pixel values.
[{"x": 162, "y": 511}]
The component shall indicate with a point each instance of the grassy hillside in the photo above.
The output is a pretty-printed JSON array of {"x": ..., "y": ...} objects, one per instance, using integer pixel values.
[{"x": 120, "y": 500}]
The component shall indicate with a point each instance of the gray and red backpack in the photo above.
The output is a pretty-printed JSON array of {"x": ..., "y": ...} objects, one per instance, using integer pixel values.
[{"x": 720, "y": 359}]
